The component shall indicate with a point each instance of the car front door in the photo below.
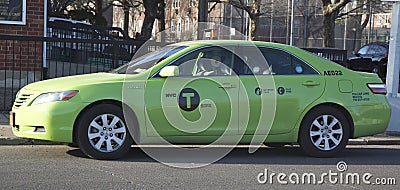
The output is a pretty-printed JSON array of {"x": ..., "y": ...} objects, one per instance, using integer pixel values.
[{"x": 200, "y": 101}]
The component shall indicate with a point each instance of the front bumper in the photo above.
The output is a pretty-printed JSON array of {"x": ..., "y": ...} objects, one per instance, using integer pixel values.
[{"x": 49, "y": 121}]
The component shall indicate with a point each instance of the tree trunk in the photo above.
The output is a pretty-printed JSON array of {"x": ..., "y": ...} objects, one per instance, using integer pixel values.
[
  {"x": 126, "y": 18},
  {"x": 150, "y": 15},
  {"x": 329, "y": 30},
  {"x": 253, "y": 27},
  {"x": 99, "y": 6},
  {"x": 254, "y": 19},
  {"x": 161, "y": 19},
  {"x": 98, "y": 17}
]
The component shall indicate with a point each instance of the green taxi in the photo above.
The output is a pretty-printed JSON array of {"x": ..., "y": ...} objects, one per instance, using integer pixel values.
[{"x": 200, "y": 92}]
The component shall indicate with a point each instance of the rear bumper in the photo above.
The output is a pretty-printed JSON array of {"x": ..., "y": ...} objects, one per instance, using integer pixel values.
[{"x": 371, "y": 120}]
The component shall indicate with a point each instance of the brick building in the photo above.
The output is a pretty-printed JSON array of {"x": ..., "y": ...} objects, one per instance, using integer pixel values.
[
  {"x": 32, "y": 24},
  {"x": 21, "y": 58}
]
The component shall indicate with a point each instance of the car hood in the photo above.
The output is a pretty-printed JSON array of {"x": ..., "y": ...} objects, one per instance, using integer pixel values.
[{"x": 72, "y": 82}]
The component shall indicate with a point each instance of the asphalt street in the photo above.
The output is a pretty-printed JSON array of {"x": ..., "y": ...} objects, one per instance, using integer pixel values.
[{"x": 63, "y": 167}]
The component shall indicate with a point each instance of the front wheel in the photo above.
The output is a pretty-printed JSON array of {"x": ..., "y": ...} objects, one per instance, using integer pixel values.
[
  {"x": 324, "y": 132},
  {"x": 102, "y": 132}
]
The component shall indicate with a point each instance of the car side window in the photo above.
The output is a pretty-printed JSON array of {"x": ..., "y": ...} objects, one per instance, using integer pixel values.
[
  {"x": 250, "y": 61},
  {"x": 372, "y": 50},
  {"x": 283, "y": 63},
  {"x": 363, "y": 50},
  {"x": 210, "y": 61},
  {"x": 381, "y": 50}
]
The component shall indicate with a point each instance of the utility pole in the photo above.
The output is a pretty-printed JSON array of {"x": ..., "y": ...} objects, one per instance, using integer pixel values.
[
  {"x": 392, "y": 79},
  {"x": 345, "y": 28},
  {"x": 305, "y": 36},
  {"x": 230, "y": 20},
  {"x": 272, "y": 21},
  {"x": 287, "y": 22},
  {"x": 292, "y": 25}
]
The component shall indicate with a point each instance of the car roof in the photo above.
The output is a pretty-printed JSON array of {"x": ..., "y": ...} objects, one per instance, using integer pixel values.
[
  {"x": 384, "y": 44},
  {"x": 232, "y": 42}
]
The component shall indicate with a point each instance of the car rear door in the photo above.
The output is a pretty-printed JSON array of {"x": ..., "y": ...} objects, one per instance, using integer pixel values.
[{"x": 296, "y": 85}]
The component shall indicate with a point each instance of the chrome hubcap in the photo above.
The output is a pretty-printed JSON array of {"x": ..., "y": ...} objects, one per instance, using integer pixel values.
[
  {"x": 106, "y": 133},
  {"x": 326, "y": 132}
]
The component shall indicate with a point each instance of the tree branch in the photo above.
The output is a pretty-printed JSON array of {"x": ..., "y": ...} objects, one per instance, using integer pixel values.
[
  {"x": 238, "y": 4},
  {"x": 329, "y": 8},
  {"x": 352, "y": 10}
]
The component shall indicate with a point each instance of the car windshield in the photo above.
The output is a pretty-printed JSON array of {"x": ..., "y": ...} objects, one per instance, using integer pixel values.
[{"x": 144, "y": 62}]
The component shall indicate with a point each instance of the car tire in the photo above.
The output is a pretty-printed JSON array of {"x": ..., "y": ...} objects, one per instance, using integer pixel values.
[
  {"x": 102, "y": 132},
  {"x": 324, "y": 132},
  {"x": 73, "y": 145},
  {"x": 375, "y": 69}
]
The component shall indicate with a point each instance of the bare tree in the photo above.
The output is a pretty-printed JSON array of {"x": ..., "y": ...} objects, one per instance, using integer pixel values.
[
  {"x": 58, "y": 8},
  {"x": 360, "y": 16},
  {"x": 127, "y": 6},
  {"x": 255, "y": 10},
  {"x": 334, "y": 10},
  {"x": 154, "y": 9},
  {"x": 331, "y": 10}
]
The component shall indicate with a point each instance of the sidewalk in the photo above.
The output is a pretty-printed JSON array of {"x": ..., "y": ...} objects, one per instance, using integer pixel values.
[{"x": 8, "y": 138}]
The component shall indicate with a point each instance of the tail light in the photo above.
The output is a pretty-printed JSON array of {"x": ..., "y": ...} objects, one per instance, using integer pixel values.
[
  {"x": 387, "y": 55},
  {"x": 377, "y": 88}
]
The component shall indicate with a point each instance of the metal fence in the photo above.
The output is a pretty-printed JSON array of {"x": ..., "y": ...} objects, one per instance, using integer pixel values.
[
  {"x": 338, "y": 56},
  {"x": 26, "y": 59}
]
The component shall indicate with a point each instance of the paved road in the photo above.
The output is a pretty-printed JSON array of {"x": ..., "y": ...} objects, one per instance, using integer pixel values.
[{"x": 62, "y": 167}]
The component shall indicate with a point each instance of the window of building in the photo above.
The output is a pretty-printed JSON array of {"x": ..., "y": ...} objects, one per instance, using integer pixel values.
[
  {"x": 187, "y": 23},
  {"x": 172, "y": 26},
  {"x": 179, "y": 26},
  {"x": 191, "y": 3},
  {"x": 176, "y": 4},
  {"x": 13, "y": 12}
]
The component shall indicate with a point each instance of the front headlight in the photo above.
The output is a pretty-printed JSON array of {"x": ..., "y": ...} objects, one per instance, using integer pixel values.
[
  {"x": 54, "y": 96},
  {"x": 16, "y": 96}
]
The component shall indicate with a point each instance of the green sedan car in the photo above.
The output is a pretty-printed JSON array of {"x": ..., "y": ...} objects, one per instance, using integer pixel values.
[{"x": 202, "y": 92}]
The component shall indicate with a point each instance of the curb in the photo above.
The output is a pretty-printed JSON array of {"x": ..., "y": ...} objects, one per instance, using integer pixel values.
[
  {"x": 22, "y": 141},
  {"x": 374, "y": 142}
]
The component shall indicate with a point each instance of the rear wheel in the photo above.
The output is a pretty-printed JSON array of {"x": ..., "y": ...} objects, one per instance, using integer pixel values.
[
  {"x": 324, "y": 132},
  {"x": 102, "y": 132},
  {"x": 375, "y": 69}
]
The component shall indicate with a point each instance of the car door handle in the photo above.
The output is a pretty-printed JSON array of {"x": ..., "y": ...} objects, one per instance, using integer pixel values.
[
  {"x": 310, "y": 83},
  {"x": 226, "y": 85}
]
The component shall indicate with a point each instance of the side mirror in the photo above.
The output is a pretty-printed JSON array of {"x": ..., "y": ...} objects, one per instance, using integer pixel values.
[{"x": 169, "y": 71}]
